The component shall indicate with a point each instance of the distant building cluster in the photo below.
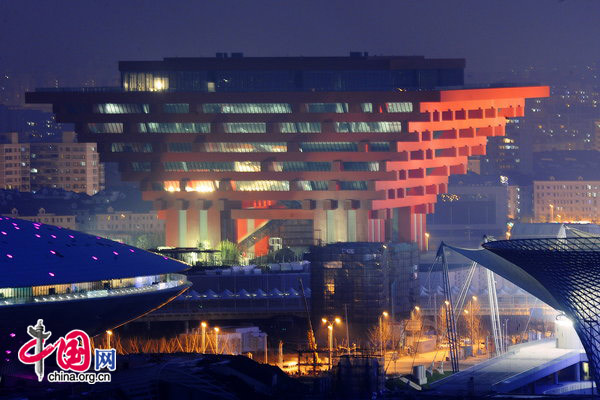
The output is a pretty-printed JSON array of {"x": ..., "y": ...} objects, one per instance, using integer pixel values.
[{"x": 67, "y": 165}]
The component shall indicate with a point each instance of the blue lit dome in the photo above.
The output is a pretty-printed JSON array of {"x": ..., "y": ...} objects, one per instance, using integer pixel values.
[
  {"x": 72, "y": 280},
  {"x": 34, "y": 254}
]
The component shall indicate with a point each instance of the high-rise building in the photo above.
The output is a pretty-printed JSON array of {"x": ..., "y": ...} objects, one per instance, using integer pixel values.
[
  {"x": 66, "y": 165},
  {"x": 354, "y": 148}
]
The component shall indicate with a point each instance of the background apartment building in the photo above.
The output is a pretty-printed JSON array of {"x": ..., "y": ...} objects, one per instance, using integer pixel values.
[{"x": 66, "y": 165}]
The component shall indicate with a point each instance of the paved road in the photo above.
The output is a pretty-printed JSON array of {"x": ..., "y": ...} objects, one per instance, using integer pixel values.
[{"x": 518, "y": 360}]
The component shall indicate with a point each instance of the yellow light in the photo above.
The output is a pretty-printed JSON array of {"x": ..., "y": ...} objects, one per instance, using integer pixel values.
[
  {"x": 323, "y": 320},
  {"x": 447, "y": 302},
  {"x": 338, "y": 320},
  {"x": 466, "y": 311},
  {"x": 385, "y": 314},
  {"x": 109, "y": 333},
  {"x": 216, "y": 329},
  {"x": 158, "y": 84},
  {"x": 330, "y": 327},
  {"x": 417, "y": 308},
  {"x": 203, "y": 324},
  {"x": 427, "y": 235},
  {"x": 475, "y": 298}
]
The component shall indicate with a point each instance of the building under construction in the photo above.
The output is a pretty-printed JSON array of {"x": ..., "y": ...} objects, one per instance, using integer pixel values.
[{"x": 358, "y": 281}]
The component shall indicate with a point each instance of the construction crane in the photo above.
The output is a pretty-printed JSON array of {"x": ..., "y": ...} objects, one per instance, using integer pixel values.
[{"x": 312, "y": 342}]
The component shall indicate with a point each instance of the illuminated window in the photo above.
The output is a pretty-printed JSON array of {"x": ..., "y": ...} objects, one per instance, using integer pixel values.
[
  {"x": 212, "y": 166},
  {"x": 201, "y": 186},
  {"x": 262, "y": 147},
  {"x": 247, "y": 108},
  {"x": 289, "y": 166},
  {"x": 313, "y": 185},
  {"x": 328, "y": 146},
  {"x": 384, "y": 126},
  {"x": 361, "y": 166},
  {"x": 399, "y": 107},
  {"x": 379, "y": 146},
  {"x": 245, "y": 127},
  {"x": 171, "y": 186},
  {"x": 300, "y": 127},
  {"x": 121, "y": 108},
  {"x": 366, "y": 107},
  {"x": 180, "y": 147},
  {"x": 174, "y": 127},
  {"x": 261, "y": 186},
  {"x": 131, "y": 148},
  {"x": 353, "y": 185},
  {"x": 176, "y": 108},
  {"x": 109, "y": 127},
  {"x": 327, "y": 107}
]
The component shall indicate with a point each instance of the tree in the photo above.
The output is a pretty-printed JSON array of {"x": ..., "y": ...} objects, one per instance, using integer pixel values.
[{"x": 230, "y": 252}]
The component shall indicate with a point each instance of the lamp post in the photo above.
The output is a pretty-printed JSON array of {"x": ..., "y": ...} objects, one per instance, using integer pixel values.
[
  {"x": 330, "y": 324},
  {"x": 551, "y": 212},
  {"x": 426, "y": 241},
  {"x": 473, "y": 298},
  {"x": 203, "y": 326},
  {"x": 108, "y": 335},
  {"x": 216, "y": 340},
  {"x": 381, "y": 317}
]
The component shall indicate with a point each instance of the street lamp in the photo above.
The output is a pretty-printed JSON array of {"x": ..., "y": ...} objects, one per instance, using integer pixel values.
[
  {"x": 551, "y": 212},
  {"x": 426, "y": 241},
  {"x": 381, "y": 317},
  {"x": 216, "y": 340},
  {"x": 203, "y": 325},
  {"x": 108, "y": 335},
  {"x": 330, "y": 324}
]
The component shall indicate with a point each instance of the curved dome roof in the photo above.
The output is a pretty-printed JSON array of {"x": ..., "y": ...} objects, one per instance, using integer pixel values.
[{"x": 34, "y": 254}]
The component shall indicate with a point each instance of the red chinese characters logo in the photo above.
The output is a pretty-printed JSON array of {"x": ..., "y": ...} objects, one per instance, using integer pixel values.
[{"x": 73, "y": 351}]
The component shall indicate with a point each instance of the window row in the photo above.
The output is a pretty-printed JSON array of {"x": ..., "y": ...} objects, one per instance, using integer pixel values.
[
  {"x": 256, "y": 186},
  {"x": 249, "y": 127},
  {"x": 242, "y": 108}
]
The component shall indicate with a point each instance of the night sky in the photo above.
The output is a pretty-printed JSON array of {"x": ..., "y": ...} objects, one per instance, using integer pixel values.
[{"x": 87, "y": 38}]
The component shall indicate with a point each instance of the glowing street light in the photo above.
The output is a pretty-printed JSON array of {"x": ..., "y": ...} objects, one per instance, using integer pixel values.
[
  {"x": 203, "y": 325},
  {"x": 108, "y": 335},
  {"x": 426, "y": 241},
  {"x": 216, "y": 340},
  {"x": 381, "y": 317},
  {"x": 330, "y": 324}
]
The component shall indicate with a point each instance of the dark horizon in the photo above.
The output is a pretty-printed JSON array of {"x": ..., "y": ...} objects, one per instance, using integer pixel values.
[{"x": 72, "y": 41}]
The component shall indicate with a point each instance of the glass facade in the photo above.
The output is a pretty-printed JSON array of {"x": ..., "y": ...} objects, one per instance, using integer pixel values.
[
  {"x": 131, "y": 148},
  {"x": 143, "y": 166},
  {"x": 121, "y": 108},
  {"x": 377, "y": 127},
  {"x": 281, "y": 80},
  {"x": 256, "y": 147},
  {"x": 327, "y": 107},
  {"x": 361, "y": 166},
  {"x": 288, "y": 166},
  {"x": 380, "y": 146},
  {"x": 175, "y": 147},
  {"x": 245, "y": 127},
  {"x": 399, "y": 107},
  {"x": 300, "y": 127},
  {"x": 313, "y": 185},
  {"x": 176, "y": 108},
  {"x": 366, "y": 107},
  {"x": 214, "y": 166},
  {"x": 247, "y": 108},
  {"x": 353, "y": 185},
  {"x": 174, "y": 127},
  {"x": 108, "y": 127},
  {"x": 328, "y": 146},
  {"x": 260, "y": 186}
]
